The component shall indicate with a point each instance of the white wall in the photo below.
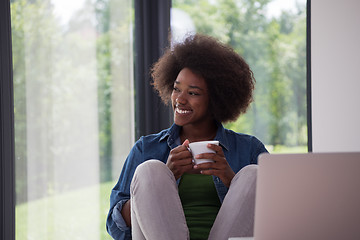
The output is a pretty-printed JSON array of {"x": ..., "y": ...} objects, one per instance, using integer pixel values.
[{"x": 335, "y": 65}]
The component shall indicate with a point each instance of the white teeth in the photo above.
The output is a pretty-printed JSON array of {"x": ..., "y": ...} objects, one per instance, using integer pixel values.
[{"x": 182, "y": 111}]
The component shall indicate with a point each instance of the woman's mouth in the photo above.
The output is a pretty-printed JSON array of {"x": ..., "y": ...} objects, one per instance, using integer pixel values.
[{"x": 182, "y": 111}]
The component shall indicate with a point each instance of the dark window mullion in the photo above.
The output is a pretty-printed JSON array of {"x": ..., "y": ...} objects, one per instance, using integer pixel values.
[
  {"x": 7, "y": 164},
  {"x": 152, "y": 23},
  {"x": 308, "y": 74}
]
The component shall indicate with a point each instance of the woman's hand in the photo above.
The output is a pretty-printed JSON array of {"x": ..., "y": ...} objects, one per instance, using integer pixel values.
[
  {"x": 219, "y": 167},
  {"x": 180, "y": 160}
]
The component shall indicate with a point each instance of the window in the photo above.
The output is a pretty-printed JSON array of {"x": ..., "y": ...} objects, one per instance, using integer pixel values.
[
  {"x": 271, "y": 36},
  {"x": 74, "y": 107},
  {"x": 74, "y": 113}
]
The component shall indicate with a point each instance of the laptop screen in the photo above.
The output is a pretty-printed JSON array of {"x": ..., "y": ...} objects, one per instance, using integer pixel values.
[{"x": 308, "y": 196}]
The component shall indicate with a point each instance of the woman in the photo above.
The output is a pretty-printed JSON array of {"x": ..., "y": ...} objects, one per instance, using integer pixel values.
[{"x": 161, "y": 193}]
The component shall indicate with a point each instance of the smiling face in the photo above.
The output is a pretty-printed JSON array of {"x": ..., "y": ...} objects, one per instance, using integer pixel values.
[{"x": 190, "y": 99}]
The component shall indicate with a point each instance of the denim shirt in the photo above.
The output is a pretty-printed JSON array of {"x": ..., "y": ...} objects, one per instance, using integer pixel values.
[{"x": 239, "y": 149}]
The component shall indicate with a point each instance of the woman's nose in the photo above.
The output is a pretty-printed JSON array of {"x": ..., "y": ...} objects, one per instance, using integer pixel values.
[{"x": 181, "y": 99}]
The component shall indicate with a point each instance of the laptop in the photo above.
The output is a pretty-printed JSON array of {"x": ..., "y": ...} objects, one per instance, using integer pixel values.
[{"x": 308, "y": 196}]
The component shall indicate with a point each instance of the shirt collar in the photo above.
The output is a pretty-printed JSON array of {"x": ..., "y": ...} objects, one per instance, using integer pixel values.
[
  {"x": 221, "y": 136},
  {"x": 173, "y": 133}
]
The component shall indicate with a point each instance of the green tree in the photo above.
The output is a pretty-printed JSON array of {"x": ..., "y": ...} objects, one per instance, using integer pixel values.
[
  {"x": 275, "y": 50},
  {"x": 18, "y": 56},
  {"x": 103, "y": 53}
]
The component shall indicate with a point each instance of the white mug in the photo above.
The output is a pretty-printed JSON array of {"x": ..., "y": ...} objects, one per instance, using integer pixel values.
[{"x": 201, "y": 147}]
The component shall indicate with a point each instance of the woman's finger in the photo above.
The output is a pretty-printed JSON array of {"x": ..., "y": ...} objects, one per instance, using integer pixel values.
[{"x": 218, "y": 149}]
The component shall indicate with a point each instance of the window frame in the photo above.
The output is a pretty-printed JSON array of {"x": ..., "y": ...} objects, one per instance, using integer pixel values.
[
  {"x": 147, "y": 121},
  {"x": 308, "y": 76},
  {"x": 152, "y": 23},
  {"x": 7, "y": 141}
]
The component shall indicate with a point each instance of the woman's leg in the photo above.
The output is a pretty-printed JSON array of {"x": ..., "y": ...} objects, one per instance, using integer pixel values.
[
  {"x": 156, "y": 210},
  {"x": 236, "y": 215}
]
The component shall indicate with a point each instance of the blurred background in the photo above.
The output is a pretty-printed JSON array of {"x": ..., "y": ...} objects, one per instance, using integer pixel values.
[{"x": 74, "y": 96}]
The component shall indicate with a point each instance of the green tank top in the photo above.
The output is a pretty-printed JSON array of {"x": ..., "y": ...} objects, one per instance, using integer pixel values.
[{"x": 200, "y": 203}]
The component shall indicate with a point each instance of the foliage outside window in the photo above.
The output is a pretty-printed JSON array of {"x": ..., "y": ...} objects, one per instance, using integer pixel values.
[
  {"x": 275, "y": 48},
  {"x": 74, "y": 101},
  {"x": 74, "y": 113}
]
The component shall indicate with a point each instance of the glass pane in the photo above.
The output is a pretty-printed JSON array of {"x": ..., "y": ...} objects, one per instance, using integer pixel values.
[
  {"x": 271, "y": 36},
  {"x": 74, "y": 113}
]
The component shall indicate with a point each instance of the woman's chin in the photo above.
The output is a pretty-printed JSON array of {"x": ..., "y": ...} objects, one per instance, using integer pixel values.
[{"x": 181, "y": 122}]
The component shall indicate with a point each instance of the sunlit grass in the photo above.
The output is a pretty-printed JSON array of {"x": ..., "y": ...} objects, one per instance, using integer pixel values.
[
  {"x": 79, "y": 214},
  {"x": 286, "y": 149}
]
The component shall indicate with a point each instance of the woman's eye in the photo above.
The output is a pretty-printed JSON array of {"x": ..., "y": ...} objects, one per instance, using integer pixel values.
[
  {"x": 175, "y": 89},
  {"x": 193, "y": 93}
]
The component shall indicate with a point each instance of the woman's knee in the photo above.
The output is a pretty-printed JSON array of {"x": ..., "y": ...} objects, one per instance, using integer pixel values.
[
  {"x": 149, "y": 166},
  {"x": 250, "y": 169},
  {"x": 247, "y": 174},
  {"x": 152, "y": 171}
]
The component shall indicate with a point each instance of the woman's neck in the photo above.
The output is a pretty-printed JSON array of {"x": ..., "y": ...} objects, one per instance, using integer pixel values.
[{"x": 198, "y": 133}]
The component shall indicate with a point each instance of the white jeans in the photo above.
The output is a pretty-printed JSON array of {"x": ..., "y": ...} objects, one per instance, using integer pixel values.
[{"x": 157, "y": 213}]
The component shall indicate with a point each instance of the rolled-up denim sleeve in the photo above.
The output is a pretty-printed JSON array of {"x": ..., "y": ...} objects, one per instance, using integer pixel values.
[
  {"x": 115, "y": 223},
  {"x": 117, "y": 217}
]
